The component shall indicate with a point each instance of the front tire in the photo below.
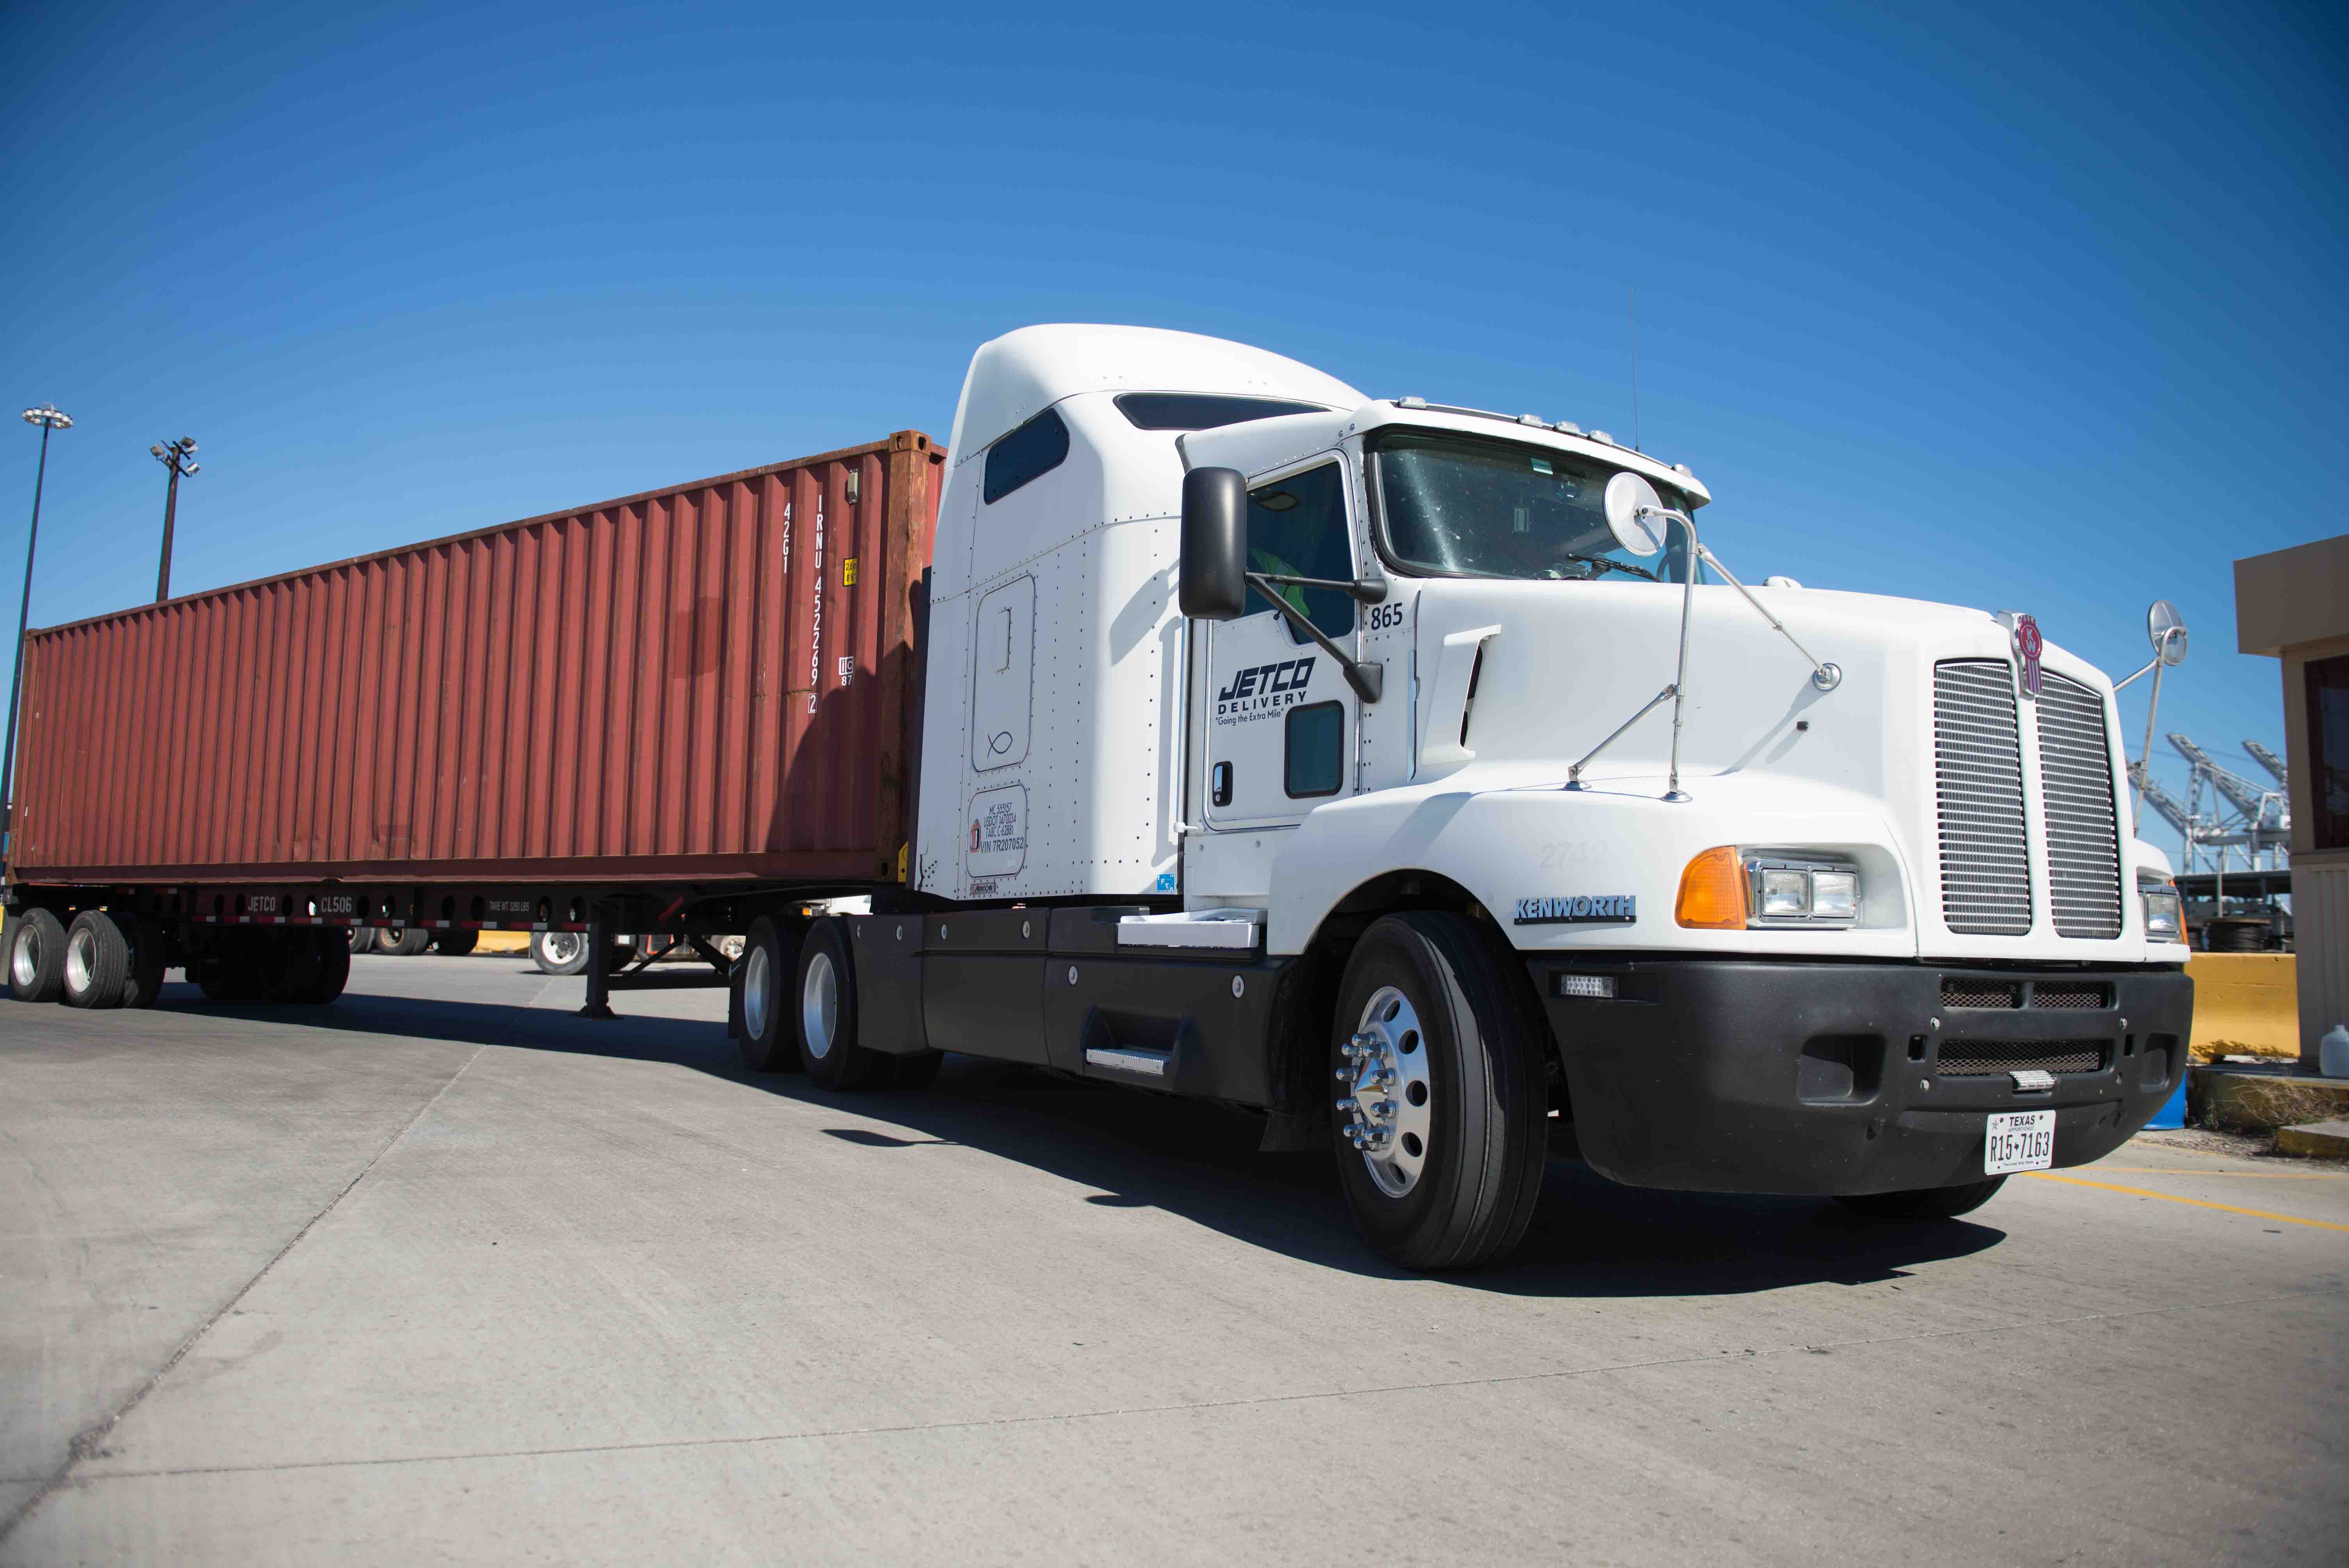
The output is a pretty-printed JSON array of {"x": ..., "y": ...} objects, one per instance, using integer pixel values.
[
  {"x": 36, "y": 955},
  {"x": 1441, "y": 1126},
  {"x": 98, "y": 961},
  {"x": 1925, "y": 1202},
  {"x": 827, "y": 1014}
]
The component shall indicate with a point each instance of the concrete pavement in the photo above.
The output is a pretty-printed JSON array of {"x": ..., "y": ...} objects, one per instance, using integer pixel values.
[{"x": 442, "y": 1273}]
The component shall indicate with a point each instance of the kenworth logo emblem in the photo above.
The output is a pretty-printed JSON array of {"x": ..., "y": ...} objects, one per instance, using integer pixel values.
[
  {"x": 2028, "y": 646},
  {"x": 1600, "y": 909}
]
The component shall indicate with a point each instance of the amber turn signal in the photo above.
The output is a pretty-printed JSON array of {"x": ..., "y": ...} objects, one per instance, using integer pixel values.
[{"x": 1712, "y": 892}]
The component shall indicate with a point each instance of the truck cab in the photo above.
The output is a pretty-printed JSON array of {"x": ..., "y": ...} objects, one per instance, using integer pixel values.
[{"x": 1374, "y": 772}]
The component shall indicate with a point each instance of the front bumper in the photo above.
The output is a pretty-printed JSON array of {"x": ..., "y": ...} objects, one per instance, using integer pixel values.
[{"x": 1726, "y": 1074}]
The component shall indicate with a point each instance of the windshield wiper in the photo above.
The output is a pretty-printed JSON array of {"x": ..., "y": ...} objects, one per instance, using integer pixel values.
[{"x": 1609, "y": 563}]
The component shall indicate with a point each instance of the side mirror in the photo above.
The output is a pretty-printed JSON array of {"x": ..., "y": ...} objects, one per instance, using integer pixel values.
[
  {"x": 1627, "y": 496},
  {"x": 1211, "y": 581},
  {"x": 2167, "y": 629}
]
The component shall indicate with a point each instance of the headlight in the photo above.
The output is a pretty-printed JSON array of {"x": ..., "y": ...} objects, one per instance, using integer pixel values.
[
  {"x": 2164, "y": 918},
  {"x": 1730, "y": 889}
]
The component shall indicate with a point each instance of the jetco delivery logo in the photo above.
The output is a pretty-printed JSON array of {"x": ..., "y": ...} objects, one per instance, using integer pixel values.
[{"x": 1262, "y": 691}]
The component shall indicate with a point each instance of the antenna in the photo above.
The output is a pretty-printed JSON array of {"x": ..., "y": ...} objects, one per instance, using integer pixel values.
[{"x": 1635, "y": 370}]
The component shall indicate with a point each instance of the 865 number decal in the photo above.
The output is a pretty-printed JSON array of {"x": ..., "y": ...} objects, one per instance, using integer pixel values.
[{"x": 1385, "y": 616}]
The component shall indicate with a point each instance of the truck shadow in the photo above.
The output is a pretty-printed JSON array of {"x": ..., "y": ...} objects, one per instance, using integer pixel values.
[{"x": 1590, "y": 1238}]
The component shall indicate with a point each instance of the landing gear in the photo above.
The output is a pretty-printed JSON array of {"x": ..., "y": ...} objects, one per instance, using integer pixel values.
[{"x": 1442, "y": 1112}]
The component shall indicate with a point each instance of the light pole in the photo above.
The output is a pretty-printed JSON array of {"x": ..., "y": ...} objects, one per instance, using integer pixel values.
[
  {"x": 173, "y": 456},
  {"x": 48, "y": 417}
]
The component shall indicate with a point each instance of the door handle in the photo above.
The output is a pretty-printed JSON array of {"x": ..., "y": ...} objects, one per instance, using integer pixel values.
[{"x": 1219, "y": 784}]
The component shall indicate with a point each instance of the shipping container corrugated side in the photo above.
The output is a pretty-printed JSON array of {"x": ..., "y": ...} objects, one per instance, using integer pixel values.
[{"x": 713, "y": 681}]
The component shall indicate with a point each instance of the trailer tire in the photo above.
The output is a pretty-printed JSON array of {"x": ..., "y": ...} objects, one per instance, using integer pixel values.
[
  {"x": 912, "y": 1074},
  {"x": 771, "y": 959},
  {"x": 1454, "y": 1143},
  {"x": 149, "y": 956},
  {"x": 1925, "y": 1202},
  {"x": 560, "y": 951},
  {"x": 456, "y": 944},
  {"x": 316, "y": 969},
  {"x": 826, "y": 1014},
  {"x": 411, "y": 941},
  {"x": 362, "y": 939},
  {"x": 36, "y": 955},
  {"x": 232, "y": 972},
  {"x": 98, "y": 961}
]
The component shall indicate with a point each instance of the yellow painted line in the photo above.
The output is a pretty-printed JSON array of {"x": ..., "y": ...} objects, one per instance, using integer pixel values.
[
  {"x": 2253, "y": 1175},
  {"x": 2195, "y": 1203}
]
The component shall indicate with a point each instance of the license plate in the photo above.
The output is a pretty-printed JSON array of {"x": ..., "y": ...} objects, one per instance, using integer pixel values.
[{"x": 2018, "y": 1141}]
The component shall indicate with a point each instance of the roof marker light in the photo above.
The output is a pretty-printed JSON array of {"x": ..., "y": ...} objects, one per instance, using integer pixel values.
[
  {"x": 1603, "y": 436},
  {"x": 1411, "y": 402}
]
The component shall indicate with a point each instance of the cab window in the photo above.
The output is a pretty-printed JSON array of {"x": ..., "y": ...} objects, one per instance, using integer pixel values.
[{"x": 1297, "y": 528}]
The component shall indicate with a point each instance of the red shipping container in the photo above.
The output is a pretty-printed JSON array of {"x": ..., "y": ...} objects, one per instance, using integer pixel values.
[{"x": 714, "y": 681}]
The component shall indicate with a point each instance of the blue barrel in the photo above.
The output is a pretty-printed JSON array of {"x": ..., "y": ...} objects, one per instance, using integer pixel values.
[{"x": 2173, "y": 1112}]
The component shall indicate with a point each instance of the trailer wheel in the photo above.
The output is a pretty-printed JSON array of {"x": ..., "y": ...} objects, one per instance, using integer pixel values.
[
  {"x": 232, "y": 972},
  {"x": 411, "y": 941},
  {"x": 98, "y": 961},
  {"x": 36, "y": 955},
  {"x": 559, "y": 952},
  {"x": 362, "y": 939},
  {"x": 827, "y": 1014},
  {"x": 769, "y": 1042},
  {"x": 312, "y": 970},
  {"x": 149, "y": 956},
  {"x": 1442, "y": 1115},
  {"x": 456, "y": 944},
  {"x": 1925, "y": 1202}
]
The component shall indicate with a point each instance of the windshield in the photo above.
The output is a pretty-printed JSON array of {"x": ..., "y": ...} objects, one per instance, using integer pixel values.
[{"x": 1460, "y": 507}]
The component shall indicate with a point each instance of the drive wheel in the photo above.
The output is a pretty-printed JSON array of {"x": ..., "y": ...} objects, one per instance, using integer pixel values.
[
  {"x": 149, "y": 956},
  {"x": 36, "y": 955},
  {"x": 559, "y": 952},
  {"x": 98, "y": 961},
  {"x": 1925, "y": 1202},
  {"x": 769, "y": 958},
  {"x": 1442, "y": 1123},
  {"x": 827, "y": 1014}
]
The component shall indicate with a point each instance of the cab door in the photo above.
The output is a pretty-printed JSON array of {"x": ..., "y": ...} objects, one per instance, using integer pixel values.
[{"x": 1278, "y": 717}]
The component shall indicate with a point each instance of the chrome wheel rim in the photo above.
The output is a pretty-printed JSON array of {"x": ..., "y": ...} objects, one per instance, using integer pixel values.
[
  {"x": 819, "y": 1005},
  {"x": 81, "y": 959},
  {"x": 1388, "y": 1105},
  {"x": 758, "y": 991},
  {"x": 561, "y": 946},
  {"x": 25, "y": 959}
]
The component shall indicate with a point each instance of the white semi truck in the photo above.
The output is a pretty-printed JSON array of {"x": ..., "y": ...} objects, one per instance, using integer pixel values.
[
  {"x": 1410, "y": 774},
  {"x": 1415, "y": 774}
]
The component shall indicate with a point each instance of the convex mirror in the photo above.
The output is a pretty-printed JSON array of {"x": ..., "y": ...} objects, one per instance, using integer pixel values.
[
  {"x": 2167, "y": 629},
  {"x": 1628, "y": 496}
]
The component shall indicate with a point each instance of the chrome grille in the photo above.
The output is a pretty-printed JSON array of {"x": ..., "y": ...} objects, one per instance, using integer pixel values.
[
  {"x": 1993, "y": 1058},
  {"x": 1978, "y": 783},
  {"x": 2075, "y": 779}
]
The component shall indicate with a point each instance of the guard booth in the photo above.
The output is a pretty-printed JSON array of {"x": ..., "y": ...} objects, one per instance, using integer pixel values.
[{"x": 2294, "y": 606}]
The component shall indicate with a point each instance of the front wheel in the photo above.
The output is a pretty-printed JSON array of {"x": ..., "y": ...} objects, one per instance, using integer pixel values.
[
  {"x": 1925, "y": 1202},
  {"x": 1442, "y": 1115}
]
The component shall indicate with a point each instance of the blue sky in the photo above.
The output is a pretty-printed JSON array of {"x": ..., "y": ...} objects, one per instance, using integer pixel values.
[{"x": 2035, "y": 308}]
